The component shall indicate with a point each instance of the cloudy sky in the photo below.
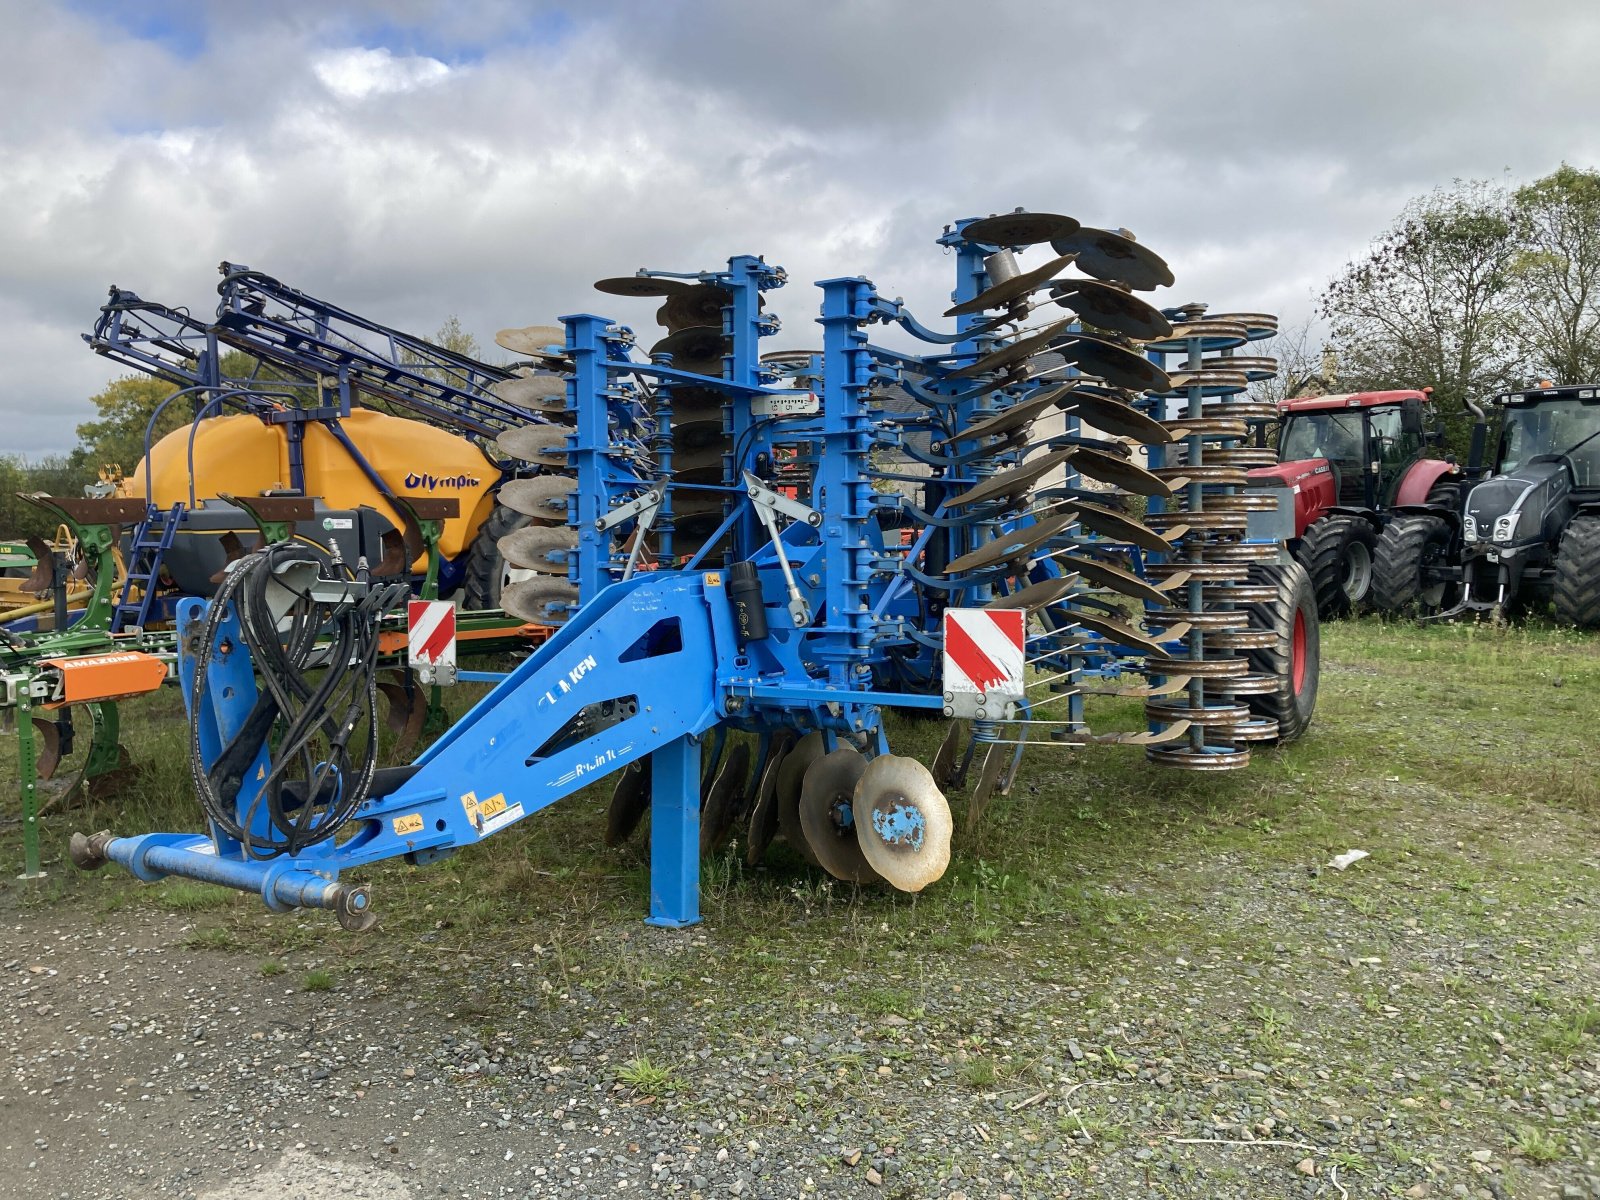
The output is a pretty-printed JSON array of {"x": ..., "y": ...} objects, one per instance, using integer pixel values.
[{"x": 491, "y": 158}]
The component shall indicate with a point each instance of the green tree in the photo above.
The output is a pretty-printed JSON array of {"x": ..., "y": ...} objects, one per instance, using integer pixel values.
[
  {"x": 1433, "y": 302},
  {"x": 125, "y": 407},
  {"x": 54, "y": 475},
  {"x": 1557, "y": 274}
]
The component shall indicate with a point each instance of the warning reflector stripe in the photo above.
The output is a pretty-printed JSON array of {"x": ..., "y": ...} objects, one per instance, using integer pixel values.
[
  {"x": 970, "y": 659},
  {"x": 431, "y": 636},
  {"x": 983, "y": 651}
]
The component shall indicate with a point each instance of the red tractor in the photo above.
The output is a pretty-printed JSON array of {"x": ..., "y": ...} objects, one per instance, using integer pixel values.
[{"x": 1349, "y": 460}]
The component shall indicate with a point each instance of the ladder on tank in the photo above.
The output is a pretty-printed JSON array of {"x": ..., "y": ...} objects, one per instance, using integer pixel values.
[{"x": 152, "y": 538}]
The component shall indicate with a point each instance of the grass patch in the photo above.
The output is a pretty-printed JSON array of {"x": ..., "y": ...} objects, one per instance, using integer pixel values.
[
  {"x": 648, "y": 1079},
  {"x": 272, "y": 967},
  {"x": 1538, "y": 1145},
  {"x": 980, "y": 1071},
  {"x": 187, "y": 896},
  {"x": 211, "y": 937},
  {"x": 317, "y": 981}
]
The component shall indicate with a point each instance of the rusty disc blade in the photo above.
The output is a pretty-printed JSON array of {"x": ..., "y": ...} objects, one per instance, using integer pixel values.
[
  {"x": 543, "y": 497},
  {"x": 995, "y": 759},
  {"x": 523, "y": 389},
  {"x": 640, "y": 285},
  {"x": 536, "y": 341},
  {"x": 1117, "y": 365},
  {"x": 545, "y": 445},
  {"x": 1036, "y": 595},
  {"x": 1117, "y": 418},
  {"x": 1109, "y": 468},
  {"x": 1120, "y": 527},
  {"x": 791, "y": 778},
  {"x": 1116, "y": 257},
  {"x": 1019, "y": 229},
  {"x": 1022, "y": 413},
  {"x": 701, "y": 464},
  {"x": 1106, "y": 306},
  {"x": 546, "y": 600},
  {"x": 1015, "y": 288},
  {"x": 1014, "y": 352},
  {"x": 902, "y": 822},
  {"x": 826, "y": 795},
  {"x": 724, "y": 798},
  {"x": 1015, "y": 481},
  {"x": 697, "y": 304},
  {"x": 1121, "y": 632},
  {"x": 764, "y": 811},
  {"x": 630, "y": 800},
  {"x": 1115, "y": 579},
  {"x": 948, "y": 756},
  {"x": 542, "y": 548},
  {"x": 1018, "y": 543},
  {"x": 694, "y": 343}
]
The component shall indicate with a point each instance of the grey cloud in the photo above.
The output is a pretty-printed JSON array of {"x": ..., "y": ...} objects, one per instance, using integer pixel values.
[{"x": 1256, "y": 145}]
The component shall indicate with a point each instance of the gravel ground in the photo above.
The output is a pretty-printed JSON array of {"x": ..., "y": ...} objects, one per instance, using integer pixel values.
[{"x": 1423, "y": 1024}]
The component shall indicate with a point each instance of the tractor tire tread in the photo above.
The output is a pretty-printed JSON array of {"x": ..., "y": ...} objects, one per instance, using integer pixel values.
[
  {"x": 1292, "y": 711},
  {"x": 480, "y": 585},
  {"x": 1397, "y": 564},
  {"x": 1323, "y": 550},
  {"x": 1577, "y": 582}
]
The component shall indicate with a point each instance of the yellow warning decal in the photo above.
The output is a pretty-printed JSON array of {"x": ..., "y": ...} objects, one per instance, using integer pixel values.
[
  {"x": 410, "y": 823},
  {"x": 713, "y": 578},
  {"x": 470, "y": 803},
  {"x": 493, "y": 806}
]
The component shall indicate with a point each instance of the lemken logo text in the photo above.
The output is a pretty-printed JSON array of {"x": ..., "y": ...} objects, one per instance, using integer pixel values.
[{"x": 434, "y": 482}]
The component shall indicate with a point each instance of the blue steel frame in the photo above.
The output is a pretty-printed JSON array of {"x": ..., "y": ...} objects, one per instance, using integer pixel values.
[{"x": 662, "y": 643}]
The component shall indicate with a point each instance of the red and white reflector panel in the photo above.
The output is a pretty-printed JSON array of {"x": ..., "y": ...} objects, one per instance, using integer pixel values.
[
  {"x": 431, "y": 632},
  {"x": 983, "y": 651}
]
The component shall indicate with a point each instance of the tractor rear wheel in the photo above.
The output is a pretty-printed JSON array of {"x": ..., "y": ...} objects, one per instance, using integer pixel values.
[
  {"x": 1337, "y": 553},
  {"x": 1403, "y": 569},
  {"x": 1577, "y": 586},
  {"x": 487, "y": 571},
  {"x": 1445, "y": 494},
  {"x": 1294, "y": 659}
]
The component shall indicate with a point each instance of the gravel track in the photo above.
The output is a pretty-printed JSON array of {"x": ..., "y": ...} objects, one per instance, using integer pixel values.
[{"x": 1232, "y": 1026}]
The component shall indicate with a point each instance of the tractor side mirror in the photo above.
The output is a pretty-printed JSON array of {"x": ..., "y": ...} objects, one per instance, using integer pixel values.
[{"x": 1411, "y": 416}]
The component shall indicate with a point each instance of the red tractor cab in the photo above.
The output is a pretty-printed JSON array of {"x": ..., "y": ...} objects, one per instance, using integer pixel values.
[{"x": 1349, "y": 460}]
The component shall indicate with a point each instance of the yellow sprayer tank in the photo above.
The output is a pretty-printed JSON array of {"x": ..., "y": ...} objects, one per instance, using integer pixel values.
[{"x": 244, "y": 456}]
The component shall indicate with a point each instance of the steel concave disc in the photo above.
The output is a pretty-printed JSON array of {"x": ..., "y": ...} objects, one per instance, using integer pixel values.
[
  {"x": 1120, "y": 527},
  {"x": 1011, "y": 353},
  {"x": 1115, "y": 579},
  {"x": 698, "y": 304},
  {"x": 826, "y": 795},
  {"x": 1018, "y": 543},
  {"x": 640, "y": 285},
  {"x": 1016, "y": 481},
  {"x": 536, "y": 341},
  {"x": 902, "y": 822},
  {"x": 1036, "y": 595},
  {"x": 1117, "y": 418},
  {"x": 764, "y": 811},
  {"x": 541, "y": 548},
  {"x": 1120, "y": 472},
  {"x": 1022, "y": 413},
  {"x": 1019, "y": 229},
  {"x": 630, "y": 800},
  {"x": 544, "y": 445},
  {"x": 791, "y": 779},
  {"x": 1109, "y": 307},
  {"x": 1115, "y": 256},
  {"x": 543, "y": 601},
  {"x": 724, "y": 798},
  {"x": 1115, "y": 364},
  {"x": 1015, "y": 288},
  {"x": 543, "y": 497}
]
